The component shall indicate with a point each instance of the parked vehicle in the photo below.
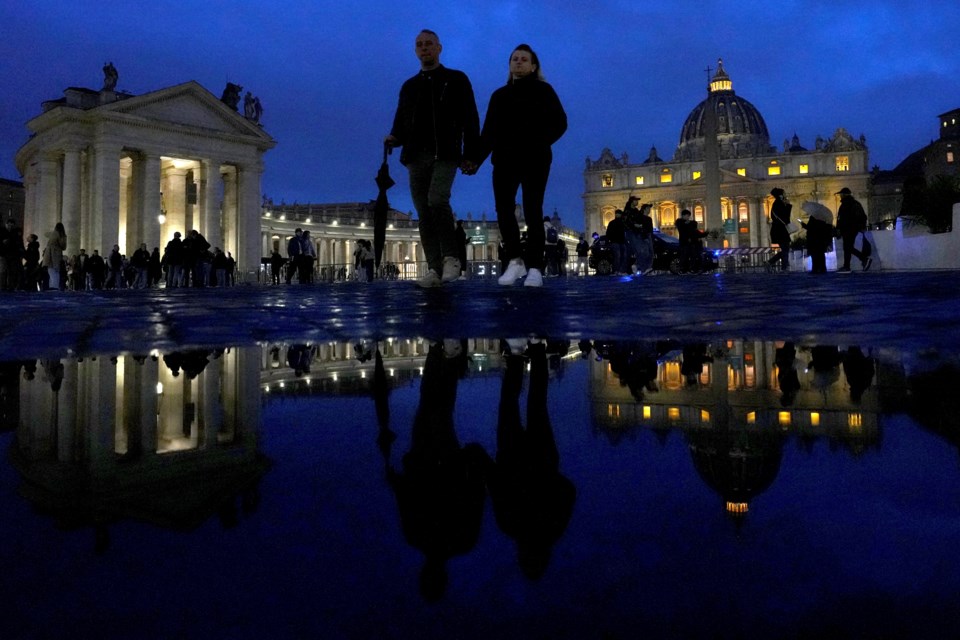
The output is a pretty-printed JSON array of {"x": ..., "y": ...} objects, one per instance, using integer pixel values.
[{"x": 666, "y": 255}]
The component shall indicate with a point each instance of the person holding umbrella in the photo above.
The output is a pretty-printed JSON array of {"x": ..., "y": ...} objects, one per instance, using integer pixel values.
[
  {"x": 523, "y": 121},
  {"x": 819, "y": 228},
  {"x": 437, "y": 125}
]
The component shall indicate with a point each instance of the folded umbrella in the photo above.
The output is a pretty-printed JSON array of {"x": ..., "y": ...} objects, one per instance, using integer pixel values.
[{"x": 381, "y": 207}]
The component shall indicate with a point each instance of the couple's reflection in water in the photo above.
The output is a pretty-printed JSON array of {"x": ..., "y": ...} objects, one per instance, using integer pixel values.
[{"x": 441, "y": 485}]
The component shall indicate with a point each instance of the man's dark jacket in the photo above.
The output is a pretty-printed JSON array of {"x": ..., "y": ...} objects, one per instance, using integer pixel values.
[{"x": 454, "y": 127}]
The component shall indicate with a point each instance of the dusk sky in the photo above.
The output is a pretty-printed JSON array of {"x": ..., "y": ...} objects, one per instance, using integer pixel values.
[{"x": 628, "y": 73}]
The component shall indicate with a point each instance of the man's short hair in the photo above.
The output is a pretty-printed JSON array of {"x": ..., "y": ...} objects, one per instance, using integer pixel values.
[{"x": 431, "y": 32}]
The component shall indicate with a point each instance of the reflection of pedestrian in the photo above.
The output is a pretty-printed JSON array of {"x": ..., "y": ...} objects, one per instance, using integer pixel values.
[
  {"x": 851, "y": 221},
  {"x": 524, "y": 118},
  {"x": 787, "y": 377},
  {"x": 437, "y": 125},
  {"x": 532, "y": 501},
  {"x": 858, "y": 370},
  {"x": 440, "y": 491}
]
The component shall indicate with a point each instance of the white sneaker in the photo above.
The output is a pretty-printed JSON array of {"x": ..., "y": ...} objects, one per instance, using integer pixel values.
[
  {"x": 451, "y": 269},
  {"x": 515, "y": 271},
  {"x": 430, "y": 279},
  {"x": 534, "y": 278}
]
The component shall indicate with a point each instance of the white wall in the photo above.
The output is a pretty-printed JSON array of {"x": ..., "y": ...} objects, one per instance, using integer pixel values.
[{"x": 902, "y": 249}]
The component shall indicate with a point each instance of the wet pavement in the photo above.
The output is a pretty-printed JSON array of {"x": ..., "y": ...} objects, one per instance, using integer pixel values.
[
  {"x": 909, "y": 309},
  {"x": 714, "y": 456}
]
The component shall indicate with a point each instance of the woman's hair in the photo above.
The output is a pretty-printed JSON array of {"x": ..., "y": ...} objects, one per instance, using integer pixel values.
[
  {"x": 533, "y": 58},
  {"x": 59, "y": 229}
]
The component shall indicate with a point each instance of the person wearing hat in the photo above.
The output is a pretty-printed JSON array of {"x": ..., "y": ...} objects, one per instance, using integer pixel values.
[
  {"x": 779, "y": 235},
  {"x": 851, "y": 220}
]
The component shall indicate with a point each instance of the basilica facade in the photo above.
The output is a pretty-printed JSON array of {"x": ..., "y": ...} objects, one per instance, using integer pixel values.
[{"x": 749, "y": 168}]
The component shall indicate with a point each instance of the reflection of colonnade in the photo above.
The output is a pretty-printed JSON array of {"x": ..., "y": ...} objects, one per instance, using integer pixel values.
[
  {"x": 103, "y": 438},
  {"x": 122, "y": 169}
]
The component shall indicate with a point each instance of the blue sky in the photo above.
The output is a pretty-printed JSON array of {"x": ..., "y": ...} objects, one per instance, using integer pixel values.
[{"x": 628, "y": 73}]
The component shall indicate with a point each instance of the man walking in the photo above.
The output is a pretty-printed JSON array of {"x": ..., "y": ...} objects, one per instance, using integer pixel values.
[
  {"x": 437, "y": 125},
  {"x": 851, "y": 220}
]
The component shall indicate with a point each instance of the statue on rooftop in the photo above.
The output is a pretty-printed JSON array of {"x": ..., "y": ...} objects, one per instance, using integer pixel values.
[
  {"x": 231, "y": 95},
  {"x": 110, "y": 76}
]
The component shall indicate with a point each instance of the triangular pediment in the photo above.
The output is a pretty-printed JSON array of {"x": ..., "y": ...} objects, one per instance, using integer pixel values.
[{"x": 189, "y": 105}]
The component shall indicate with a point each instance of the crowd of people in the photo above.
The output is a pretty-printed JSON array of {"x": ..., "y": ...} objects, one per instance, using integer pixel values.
[{"x": 185, "y": 262}]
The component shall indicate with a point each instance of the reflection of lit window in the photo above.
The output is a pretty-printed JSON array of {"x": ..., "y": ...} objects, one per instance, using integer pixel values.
[
  {"x": 733, "y": 378},
  {"x": 855, "y": 421},
  {"x": 696, "y": 175},
  {"x": 814, "y": 419},
  {"x": 647, "y": 412},
  {"x": 704, "y": 415},
  {"x": 606, "y": 180},
  {"x": 613, "y": 411},
  {"x": 741, "y": 171},
  {"x": 705, "y": 375},
  {"x": 749, "y": 376},
  {"x": 639, "y": 180},
  {"x": 843, "y": 163},
  {"x": 666, "y": 176},
  {"x": 950, "y": 157},
  {"x": 737, "y": 507},
  {"x": 752, "y": 417},
  {"x": 784, "y": 418},
  {"x": 804, "y": 169},
  {"x": 671, "y": 375},
  {"x": 673, "y": 413}
]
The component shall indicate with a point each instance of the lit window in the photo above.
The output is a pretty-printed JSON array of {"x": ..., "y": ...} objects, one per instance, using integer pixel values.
[
  {"x": 784, "y": 418},
  {"x": 752, "y": 417},
  {"x": 843, "y": 163},
  {"x": 647, "y": 412},
  {"x": 666, "y": 176},
  {"x": 742, "y": 171},
  {"x": 743, "y": 210},
  {"x": 814, "y": 419},
  {"x": 950, "y": 157},
  {"x": 704, "y": 415},
  {"x": 698, "y": 213},
  {"x": 804, "y": 169},
  {"x": 773, "y": 170},
  {"x": 606, "y": 180},
  {"x": 696, "y": 175},
  {"x": 855, "y": 421},
  {"x": 639, "y": 180},
  {"x": 613, "y": 410},
  {"x": 673, "y": 413}
]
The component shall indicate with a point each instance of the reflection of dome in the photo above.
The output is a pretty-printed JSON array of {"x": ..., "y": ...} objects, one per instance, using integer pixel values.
[
  {"x": 737, "y": 464},
  {"x": 741, "y": 130}
]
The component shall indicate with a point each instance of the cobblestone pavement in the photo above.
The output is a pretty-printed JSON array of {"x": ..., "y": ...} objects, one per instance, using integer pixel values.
[{"x": 915, "y": 310}]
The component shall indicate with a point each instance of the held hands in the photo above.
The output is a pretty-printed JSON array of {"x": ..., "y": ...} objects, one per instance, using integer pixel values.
[
  {"x": 390, "y": 142},
  {"x": 468, "y": 167}
]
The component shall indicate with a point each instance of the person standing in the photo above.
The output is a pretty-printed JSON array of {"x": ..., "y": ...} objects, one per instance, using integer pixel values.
[
  {"x": 53, "y": 255},
  {"x": 276, "y": 264},
  {"x": 819, "y": 239},
  {"x": 140, "y": 261},
  {"x": 617, "y": 239},
  {"x": 173, "y": 261},
  {"x": 437, "y": 125},
  {"x": 779, "y": 219},
  {"x": 639, "y": 234},
  {"x": 308, "y": 254},
  {"x": 115, "y": 261},
  {"x": 691, "y": 243},
  {"x": 583, "y": 255},
  {"x": 524, "y": 119},
  {"x": 294, "y": 251},
  {"x": 31, "y": 269},
  {"x": 11, "y": 255},
  {"x": 851, "y": 220}
]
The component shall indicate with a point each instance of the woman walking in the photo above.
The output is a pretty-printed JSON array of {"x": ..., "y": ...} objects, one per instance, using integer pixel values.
[
  {"x": 779, "y": 219},
  {"x": 524, "y": 118},
  {"x": 53, "y": 255}
]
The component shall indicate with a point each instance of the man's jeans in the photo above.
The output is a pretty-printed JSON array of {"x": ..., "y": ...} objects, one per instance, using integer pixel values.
[{"x": 430, "y": 184}]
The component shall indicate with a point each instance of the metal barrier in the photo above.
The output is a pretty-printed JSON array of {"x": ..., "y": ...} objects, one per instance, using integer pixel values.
[{"x": 744, "y": 259}]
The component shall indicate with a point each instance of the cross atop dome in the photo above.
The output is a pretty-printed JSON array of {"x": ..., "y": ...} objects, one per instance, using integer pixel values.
[{"x": 721, "y": 81}]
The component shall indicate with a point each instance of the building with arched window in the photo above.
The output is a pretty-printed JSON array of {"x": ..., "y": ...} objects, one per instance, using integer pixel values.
[{"x": 749, "y": 168}]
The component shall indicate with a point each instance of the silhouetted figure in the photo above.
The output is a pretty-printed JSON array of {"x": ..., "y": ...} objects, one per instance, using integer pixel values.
[
  {"x": 532, "y": 501},
  {"x": 787, "y": 376},
  {"x": 694, "y": 357},
  {"x": 440, "y": 491},
  {"x": 858, "y": 368}
]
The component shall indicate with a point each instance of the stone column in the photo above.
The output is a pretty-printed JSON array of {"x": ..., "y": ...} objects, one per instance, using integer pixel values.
[
  {"x": 71, "y": 199},
  {"x": 105, "y": 183},
  {"x": 149, "y": 186},
  {"x": 247, "y": 219},
  {"x": 210, "y": 221},
  {"x": 754, "y": 225},
  {"x": 47, "y": 214},
  {"x": 229, "y": 211},
  {"x": 174, "y": 183}
]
